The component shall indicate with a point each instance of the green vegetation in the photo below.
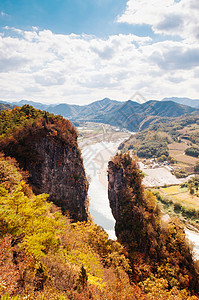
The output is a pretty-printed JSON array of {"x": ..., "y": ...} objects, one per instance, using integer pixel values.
[
  {"x": 174, "y": 140},
  {"x": 181, "y": 200},
  {"x": 192, "y": 185},
  {"x": 192, "y": 151},
  {"x": 148, "y": 144}
]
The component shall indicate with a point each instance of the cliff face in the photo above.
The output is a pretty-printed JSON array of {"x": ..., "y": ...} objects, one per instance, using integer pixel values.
[
  {"x": 46, "y": 147},
  {"x": 59, "y": 172},
  {"x": 128, "y": 204},
  {"x": 56, "y": 168},
  {"x": 115, "y": 186}
]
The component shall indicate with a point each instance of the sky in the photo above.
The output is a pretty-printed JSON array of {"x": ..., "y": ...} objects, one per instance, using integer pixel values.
[{"x": 79, "y": 51}]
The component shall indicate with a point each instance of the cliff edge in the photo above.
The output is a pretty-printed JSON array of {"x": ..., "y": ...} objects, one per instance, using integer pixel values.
[{"x": 46, "y": 146}]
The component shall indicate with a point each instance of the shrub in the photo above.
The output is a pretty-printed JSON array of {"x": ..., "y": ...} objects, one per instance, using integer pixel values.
[{"x": 192, "y": 151}]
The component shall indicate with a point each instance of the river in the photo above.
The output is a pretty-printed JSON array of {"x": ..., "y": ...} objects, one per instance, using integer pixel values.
[
  {"x": 96, "y": 157},
  {"x": 194, "y": 238}
]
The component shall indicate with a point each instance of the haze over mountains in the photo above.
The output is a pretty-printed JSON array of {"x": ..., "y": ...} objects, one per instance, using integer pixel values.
[
  {"x": 185, "y": 101},
  {"x": 129, "y": 114}
]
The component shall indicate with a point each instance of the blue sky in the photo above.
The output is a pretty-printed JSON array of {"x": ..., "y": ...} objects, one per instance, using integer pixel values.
[
  {"x": 77, "y": 51},
  {"x": 93, "y": 17}
]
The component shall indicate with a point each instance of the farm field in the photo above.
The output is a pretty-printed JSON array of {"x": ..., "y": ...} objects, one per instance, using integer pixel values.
[
  {"x": 180, "y": 195},
  {"x": 192, "y": 128},
  {"x": 177, "y": 151},
  {"x": 91, "y": 133}
]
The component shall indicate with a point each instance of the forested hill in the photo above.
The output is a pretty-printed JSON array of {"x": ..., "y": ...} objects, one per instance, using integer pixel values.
[
  {"x": 157, "y": 249},
  {"x": 4, "y": 106},
  {"x": 45, "y": 145},
  {"x": 128, "y": 114}
]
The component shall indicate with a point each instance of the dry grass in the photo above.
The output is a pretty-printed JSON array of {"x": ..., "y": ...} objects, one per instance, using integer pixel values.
[
  {"x": 186, "y": 159},
  {"x": 181, "y": 195},
  {"x": 178, "y": 146},
  {"x": 186, "y": 162},
  {"x": 190, "y": 128}
]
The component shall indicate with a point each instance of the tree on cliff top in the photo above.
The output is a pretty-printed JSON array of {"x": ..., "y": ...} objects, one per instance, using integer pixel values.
[
  {"x": 156, "y": 248},
  {"x": 20, "y": 127},
  {"x": 25, "y": 119}
]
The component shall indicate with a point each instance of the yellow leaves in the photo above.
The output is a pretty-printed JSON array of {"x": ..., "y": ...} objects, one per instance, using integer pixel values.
[
  {"x": 93, "y": 280},
  {"x": 87, "y": 244},
  {"x": 87, "y": 257},
  {"x": 30, "y": 218},
  {"x": 158, "y": 288},
  {"x": 9, "y": 176},
  {"x": 150, "y": 200},
  {"x": 153, "y": 285}
]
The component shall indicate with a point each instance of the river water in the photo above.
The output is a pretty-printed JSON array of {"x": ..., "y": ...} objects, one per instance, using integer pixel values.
[
  {"x": 194, "y": 238},
  {"x": 96, "y": 157}
]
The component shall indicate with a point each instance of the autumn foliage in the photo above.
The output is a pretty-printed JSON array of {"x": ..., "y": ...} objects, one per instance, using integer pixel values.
[
  {"x": 20, "y": 127},
  {"x": 45, "y": 256},
  {"x": 158, "y": 250}
]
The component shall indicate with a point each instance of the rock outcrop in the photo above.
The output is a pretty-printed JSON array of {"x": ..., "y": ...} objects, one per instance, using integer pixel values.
[
  {"x": 151, "y": 243},
  {"x": 115, "y": 186},
  {"x": 48, "y": 150},
  {"x": 59, "y": 172}
]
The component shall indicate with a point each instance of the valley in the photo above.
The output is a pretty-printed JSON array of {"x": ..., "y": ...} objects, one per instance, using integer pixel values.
[
  {"x": 102, "y": 213},
  {"x": 98, "y": 143}
]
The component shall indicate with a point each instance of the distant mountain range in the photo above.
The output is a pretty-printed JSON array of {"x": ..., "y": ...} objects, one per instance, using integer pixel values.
[
  {"x": 184, "y": 101},
  {"x": 128, "y": 114}
]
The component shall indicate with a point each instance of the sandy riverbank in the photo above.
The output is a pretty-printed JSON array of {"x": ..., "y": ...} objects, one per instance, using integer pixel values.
[{"x": 102, "y": 159}]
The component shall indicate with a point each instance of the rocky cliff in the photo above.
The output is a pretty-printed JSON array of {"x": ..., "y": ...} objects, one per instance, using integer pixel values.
[
  {"x": 59, "y": 172},
  {"x": 47, "y": 148},
  {"x": 151, "y": 243},
  {"x": 115, "y": 187},
  {"x": 125, "y": 193}
]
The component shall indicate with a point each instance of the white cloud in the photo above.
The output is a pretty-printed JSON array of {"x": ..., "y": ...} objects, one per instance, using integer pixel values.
[
  {"x": 3, "y": 14},
  {"x": 42, "y": 66},
  {"x": 165, "y": 17}
]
